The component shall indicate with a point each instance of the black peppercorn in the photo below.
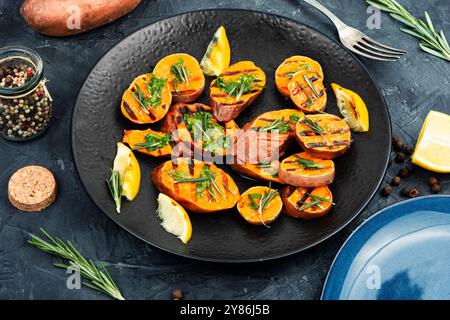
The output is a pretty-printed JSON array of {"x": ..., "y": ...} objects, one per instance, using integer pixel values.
[
  {"x": 432, "y": 181},
  {"x": 408, "y": 149},
  {"x": 177, "y": 294},
  {"x": 400, "y": 157},
  {"x": 436, "y": 188},
  {"x": 404, "y": 172},
  {"x": 387, "y": 190},
  {"x": 399, "y": 145},
  {"x": 396, "y": 181},
  {"x": 413, "y": 193},
  {"x": 405, "y": 192}
]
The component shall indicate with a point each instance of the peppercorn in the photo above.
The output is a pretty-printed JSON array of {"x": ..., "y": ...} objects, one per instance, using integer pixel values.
[
  {"x": 436, "y": 188},
  {"x": 404, "y": 172},
  {"x": 396, "y": 181},
  {"x": 432, "y": 181},
  {"x": 177, "y": 294},
  {"x": 413, "y": 193},
  {"x": 387, "y": 190},
  {"x": 400, "y": 157},
  {"x": 399, "y": 145},
  {"x": 405, "y": 192},
  {"x": 408, "y": 149}
]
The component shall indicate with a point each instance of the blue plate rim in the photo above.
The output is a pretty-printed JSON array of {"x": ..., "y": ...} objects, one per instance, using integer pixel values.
[{"x": 364, "y": 223}]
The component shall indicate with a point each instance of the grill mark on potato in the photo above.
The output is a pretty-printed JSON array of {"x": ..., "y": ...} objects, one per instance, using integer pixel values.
[
  {"x": 305, "y": 197},
  {"x": 183, "y": 92},
  {"x": 129, "y": 111},
  {"x": 191, "y": 167},
  {"x": 179, "y": 119},
  {"x": 324, "y": 144},
  {"x": 232, "y": 73},
  {"x": 219, "y": 95},
  {"x": 152, "y": 116}
]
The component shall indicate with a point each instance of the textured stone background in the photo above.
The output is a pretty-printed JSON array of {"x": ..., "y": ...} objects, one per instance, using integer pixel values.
[{"x": 412, "y": 86}]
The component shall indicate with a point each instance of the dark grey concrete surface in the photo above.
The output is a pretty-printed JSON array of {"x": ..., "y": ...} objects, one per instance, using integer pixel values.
[{"x": 412, "y": 86}]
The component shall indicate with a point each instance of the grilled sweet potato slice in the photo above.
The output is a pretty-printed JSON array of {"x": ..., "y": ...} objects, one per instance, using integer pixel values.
[
  {"x": 251, "y": 200},
  {"x": 235, "y": 89},
  {"x": 184, "y": 75},
  {"x": 194, "y": 126},
  {"x": 306, "y": 203},
  {"x": 304, "y": 170},
  {"x": 147, "y": 100},
  {"x": 260, "y": 171},
  {"x": 325, "y": 136},
  {"x": 152, "y": 143},
  {"x": 265, "y": 138},
  {"x": 307, "y": 91},
  {"x": 216, "y": 192},
  {"x": 291, "y": 66}
]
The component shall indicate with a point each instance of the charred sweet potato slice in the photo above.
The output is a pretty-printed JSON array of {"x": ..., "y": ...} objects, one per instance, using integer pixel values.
[
  {"x": 147, "y": 100},
  {"x": 324, "y": 136},
  {"x": 194, "y": 126},
  {"x": 260, "y": 171},
  {"x": 304, "y": 170},
  {"x": 198, "y": 186},
  {"x": 307, "y": 91},
  {"x": 291, "y": 66},
  {"x": 184, "y": 75},
  {"x": 235, "y": 89},
  {"x": 152, "y": 143},
  {"x": 256, "y": 198},
  {"x": 266, "y": 138},
  {"x": 306, "y": 203}
]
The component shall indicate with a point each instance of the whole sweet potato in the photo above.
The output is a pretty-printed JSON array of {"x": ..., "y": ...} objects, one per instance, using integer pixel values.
[{"x": 61, "y": 18}]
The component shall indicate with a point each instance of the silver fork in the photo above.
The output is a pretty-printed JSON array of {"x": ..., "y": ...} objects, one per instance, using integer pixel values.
[{"x": 357, "y": 41}]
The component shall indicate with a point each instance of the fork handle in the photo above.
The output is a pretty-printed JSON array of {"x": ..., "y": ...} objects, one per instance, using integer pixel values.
[{"x": 337, "y": 22}]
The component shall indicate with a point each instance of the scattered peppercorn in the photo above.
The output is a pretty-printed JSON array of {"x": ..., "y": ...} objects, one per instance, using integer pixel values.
[
  {"x": 400, "y": 157},
  {"x": 404, "y": 172},
  {"x": 436, "y": 188},
  {"x": 387, "y": 190},
  {"x": 396, "y": 181},
  {"x": 399, "y": 145},
  {"x": 177, "y": 294},
  {"x": 432, "y": 181},
  {"x": 413, "y": 193},
  {"x": 408, "y": 149},
  {"x": 405, "y": 192}
]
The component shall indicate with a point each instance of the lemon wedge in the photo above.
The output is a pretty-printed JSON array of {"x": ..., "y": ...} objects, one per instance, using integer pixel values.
[
  {"x": 352, "y": 108},
  {"x": 174, "y": 218},
  {"x": 126, "y": 164},
  {"x": 217, "y": 55},
  {"x": 432, "y": 150}
]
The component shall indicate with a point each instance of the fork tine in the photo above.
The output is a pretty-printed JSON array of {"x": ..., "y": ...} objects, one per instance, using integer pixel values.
[
  {"x": 369, "y": 39},
  {"x": 375, "y": 53},
  {"x": 363, "y": 42},
  {"x": 371, "y": 56}
]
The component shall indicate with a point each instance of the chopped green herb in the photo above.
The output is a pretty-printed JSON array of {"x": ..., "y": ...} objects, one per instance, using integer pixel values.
[
  {"x": 153, "y": 142},
  {"x": 243, "y": 85},
  {"x": 278, "y": 125},
  {"x": 294, "y": 118},
  {"x": 180, "y": 72},
  {"x": 155, "y": 87},
  {"x": 311, "y": 86},
  {"x": 307, "y": 164}
]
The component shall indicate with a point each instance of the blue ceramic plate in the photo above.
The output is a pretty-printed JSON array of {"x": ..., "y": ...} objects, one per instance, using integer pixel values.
[{"x": 400, "y": 253}]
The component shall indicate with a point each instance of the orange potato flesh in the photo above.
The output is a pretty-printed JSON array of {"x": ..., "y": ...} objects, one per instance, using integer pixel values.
[
  {"x": 292, "y": 65},
  {"x": 226, "y": 107},
  {"x": 298, "y": 175},
  {"x": 182, "y": 92},
  {"x": 303, "y": 96},
  {"x": 296, "y": 198},
  {"x": 266, "y": 172},
  {"x": 133, "y": 137},
  {"x": 186, "y": 193},
  {"x": 134, "y": 112},
  {"x": 252, "y": 216},
  {"x": 334, "y": 141}
]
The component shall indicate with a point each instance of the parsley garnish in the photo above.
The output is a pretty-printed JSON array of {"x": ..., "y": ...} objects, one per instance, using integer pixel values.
[{"x": 243, "y": 85}]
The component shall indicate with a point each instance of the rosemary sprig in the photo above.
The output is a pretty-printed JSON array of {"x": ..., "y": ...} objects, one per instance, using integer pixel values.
[
  {"x": 309, "y": 205},
  {"x": 252, "y": 197},
  {"x": 180, "y": 72},
  {"x": 431, "y": 41},
  {"x": 139, "y": 96},
  {"x": 155, "y": 87},
  {"x": 315, "y": 127},
  {"x": 278, "y": 125},
  {"x": 153, "y": 142},
  {"x": 114, "y": 188},
  {"x": 307, "y": 164},
  {"x": 265, "y": 200},
  {"x": 97, "y": 276},
  {"x": 311, "y": 86},
  {"x": 243, "y": 85},
  {"x": 305, "y": 66},
  {"x": 200, "y": 125}
]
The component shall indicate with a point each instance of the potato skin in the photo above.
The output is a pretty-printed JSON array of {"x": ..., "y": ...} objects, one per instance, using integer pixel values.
[{"x": 50, "y": 17}]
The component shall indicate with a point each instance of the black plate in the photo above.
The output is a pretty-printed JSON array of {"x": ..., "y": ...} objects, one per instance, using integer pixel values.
[{"x": 267, "y": 40}]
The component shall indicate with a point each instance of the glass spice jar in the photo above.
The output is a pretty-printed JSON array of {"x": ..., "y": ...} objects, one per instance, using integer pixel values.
[{"x": 25, "y": 103}]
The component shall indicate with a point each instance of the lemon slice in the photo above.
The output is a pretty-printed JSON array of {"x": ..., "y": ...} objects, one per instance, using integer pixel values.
[
  {"x": 432, "y": 150},
  {"x": 127, "y": 166},
  {"x": 352, "y": 108},
  {"x": 174, "y": 218},
  {"x": 217, "y": 55}
]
